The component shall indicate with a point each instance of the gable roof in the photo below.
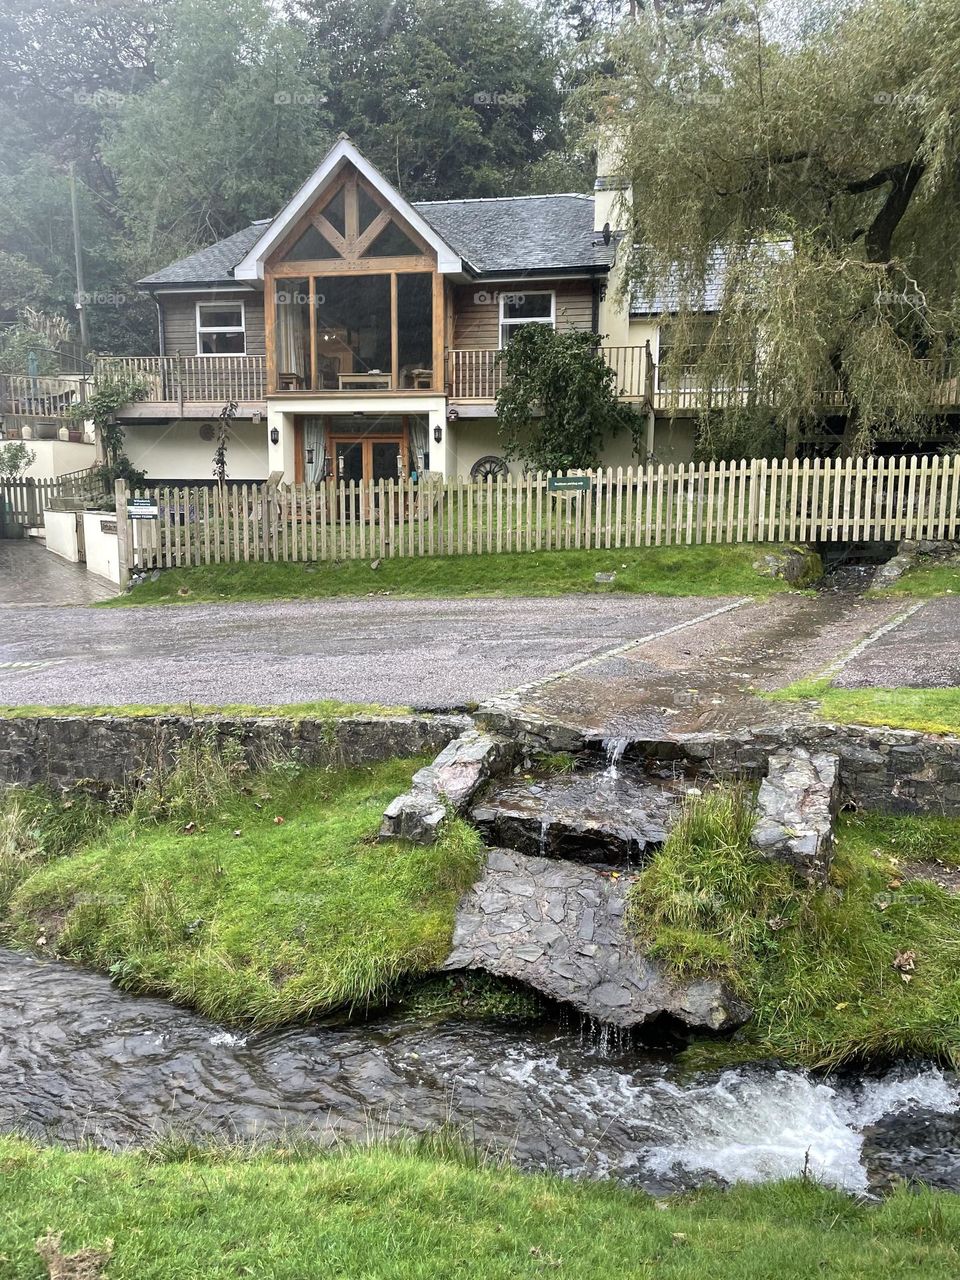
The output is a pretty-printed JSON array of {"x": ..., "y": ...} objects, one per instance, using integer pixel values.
[
  {"x": 212, "y": 265},
  {"x": 250, "y": 266},
  {"x": 521, "y": 233},
  {"x": 507, "y": 235}
]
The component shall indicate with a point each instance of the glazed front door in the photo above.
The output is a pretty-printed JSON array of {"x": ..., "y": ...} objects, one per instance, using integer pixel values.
[{"x": 362, "y": 459}]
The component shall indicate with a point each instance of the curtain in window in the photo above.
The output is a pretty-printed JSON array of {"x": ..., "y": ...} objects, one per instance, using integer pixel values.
[{"x": 314, "y": 451}]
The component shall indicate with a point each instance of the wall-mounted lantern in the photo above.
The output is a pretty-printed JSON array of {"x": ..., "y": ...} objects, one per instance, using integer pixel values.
[
  {"x": 438, "y": 433},
  {"x": 274, "y": 435},
  {"x": 309, "y": 455}
]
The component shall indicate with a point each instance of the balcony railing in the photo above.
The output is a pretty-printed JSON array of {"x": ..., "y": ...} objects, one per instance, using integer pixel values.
[
  {"x": 27, "y": 399},
  {"x": 190, "y": 379},
  {"x": 474, "y": 374}
]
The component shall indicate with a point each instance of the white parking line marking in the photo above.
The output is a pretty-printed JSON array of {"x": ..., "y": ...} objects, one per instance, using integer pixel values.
[{"x": 625, "y": 648}]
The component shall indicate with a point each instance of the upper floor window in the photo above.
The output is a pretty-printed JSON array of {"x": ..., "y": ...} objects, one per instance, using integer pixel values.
[
  {"x": 220, "y": 329},
  {"x": 518, "y": 309}
]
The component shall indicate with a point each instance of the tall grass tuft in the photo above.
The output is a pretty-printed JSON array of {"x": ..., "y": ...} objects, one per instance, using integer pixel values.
[
  {"x": 701, "y": 904},
  {"x": 37, "y": 825},
  {"x": 206, "y": 771},
  {"x": 818, "y": 965}
]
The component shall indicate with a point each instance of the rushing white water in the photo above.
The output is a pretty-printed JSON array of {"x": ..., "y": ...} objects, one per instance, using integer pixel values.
[
  {"x": 745, "y": 1125},
  {"x": 81, "y": 1061}
]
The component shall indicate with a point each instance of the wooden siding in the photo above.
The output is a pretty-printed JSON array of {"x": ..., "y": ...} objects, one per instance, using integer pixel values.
[
  {"x": 477, "y": 310},
  {"x": 180, "y": 320}
]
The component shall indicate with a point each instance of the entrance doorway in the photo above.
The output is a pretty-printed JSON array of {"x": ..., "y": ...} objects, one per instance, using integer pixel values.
[
  {"x": 355, "y": 447},
  {"x": 364, "y": 458}
]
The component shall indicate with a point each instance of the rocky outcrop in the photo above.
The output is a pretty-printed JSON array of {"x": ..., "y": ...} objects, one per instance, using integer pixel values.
[
  {"x": 796, "y": 808},
  {"x": 448, "y": 784},
  {"x": 800, "y": 566},
  {"x": 559, "y": 927},
  {"x": 910, "y": 553}
]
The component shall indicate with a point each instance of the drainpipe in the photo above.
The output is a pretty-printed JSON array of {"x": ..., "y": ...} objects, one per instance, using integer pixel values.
[{"x": 156, "y": 302}]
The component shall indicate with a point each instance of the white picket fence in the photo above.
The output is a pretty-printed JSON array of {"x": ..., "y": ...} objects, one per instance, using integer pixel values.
[{"x": 823, "y": 500}]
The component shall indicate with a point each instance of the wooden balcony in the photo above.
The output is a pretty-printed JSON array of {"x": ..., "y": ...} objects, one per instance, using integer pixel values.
[
  {"x": 475, "y": 376},
  {"x": 189, "y": 386},
  {"x": 41, "y": 403}
]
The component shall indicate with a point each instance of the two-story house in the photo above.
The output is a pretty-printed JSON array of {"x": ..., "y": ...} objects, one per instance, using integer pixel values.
[{"x": 357, "y": 334}]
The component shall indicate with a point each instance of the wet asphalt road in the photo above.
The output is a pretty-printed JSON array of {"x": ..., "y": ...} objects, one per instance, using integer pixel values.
[
  {"x": 922, "y": 651},
  {"x": 420, "y": 653}
]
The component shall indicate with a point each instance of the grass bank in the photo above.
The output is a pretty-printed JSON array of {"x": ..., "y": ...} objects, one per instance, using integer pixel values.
[
  {"x": 867, "y": 967},
  {"x": 326, "y": 709},
  {"x": 928, "y": 710},
  {"x": 925, "y": 581},
  {"x": 413, "y": 1214},
  {"x": 671, "y": 571},
  {"x": 253, "y": 897}
]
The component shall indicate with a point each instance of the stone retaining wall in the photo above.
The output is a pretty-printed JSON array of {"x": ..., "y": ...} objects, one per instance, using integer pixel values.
[
  {"x": 115, "y": 750},
  {"x": 892, "y": 770}
]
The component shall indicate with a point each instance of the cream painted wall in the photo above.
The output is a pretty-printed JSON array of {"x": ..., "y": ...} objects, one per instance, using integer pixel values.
[
  {"x": 473, "y": 438},
  {"x": 177, "y": 452},
  {"x": 54, "y": 458},
  {"x": 102, "y": 549},
  {"x": 60, "y": 530},
  {"x": 280, "y": 414},
  {"x": 674, "y": 439}
]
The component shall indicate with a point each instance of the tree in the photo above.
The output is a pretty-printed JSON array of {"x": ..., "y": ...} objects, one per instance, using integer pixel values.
[
  {"x": 447, "y": 97},
  {"x": 559, "y": 400},
  {"x": 231, "y": 127},
  {"x": 15, "y": 458},
  {"x": 813, "y": 166}
]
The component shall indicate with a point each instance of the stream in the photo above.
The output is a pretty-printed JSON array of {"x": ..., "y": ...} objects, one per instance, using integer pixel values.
[{"x": 81, "y": 1061}]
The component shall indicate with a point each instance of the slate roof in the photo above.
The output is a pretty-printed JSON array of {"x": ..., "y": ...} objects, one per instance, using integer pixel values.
[
  {"x": 520, "y": 233},
  {"x": 212, "y": 265},
  {"x": 668, "y": 299},
  {"x": 495, "y": 237}
]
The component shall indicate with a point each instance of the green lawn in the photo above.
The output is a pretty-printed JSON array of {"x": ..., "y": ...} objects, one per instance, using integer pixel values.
[
  {"x": 259, "y": 898},
  {"x": 673, "y": 571},
  {"x": 816, "y": 965},
  {"x": 926, "y": 580},
  {"x": 928, "y": 710},
  {"x": 406, "y": 1214}
]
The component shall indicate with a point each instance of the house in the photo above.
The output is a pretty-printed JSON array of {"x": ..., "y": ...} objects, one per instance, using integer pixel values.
[{"x": 356, "y": 334}]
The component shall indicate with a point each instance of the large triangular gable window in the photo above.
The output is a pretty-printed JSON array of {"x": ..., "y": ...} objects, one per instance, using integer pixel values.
[
  {"x": 354, "y": 222},
  {"x": 312, "y": 245}
]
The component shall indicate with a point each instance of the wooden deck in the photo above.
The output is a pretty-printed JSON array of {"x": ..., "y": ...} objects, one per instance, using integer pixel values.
[
  {"x": 199, "y": 386},
  {"x": 474, "y": 376}
]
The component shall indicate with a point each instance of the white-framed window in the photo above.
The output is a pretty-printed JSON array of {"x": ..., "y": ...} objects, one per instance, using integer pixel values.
[
  {"x": 221, "y": 329},
  {"x": 520, "y": 308}
]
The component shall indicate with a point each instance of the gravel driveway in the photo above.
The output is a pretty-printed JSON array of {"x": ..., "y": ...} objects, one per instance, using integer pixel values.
[{"x": 422, "y": 653}]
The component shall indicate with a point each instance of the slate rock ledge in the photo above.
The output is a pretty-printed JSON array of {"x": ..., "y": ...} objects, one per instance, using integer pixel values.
[
  {"x": 449, "y": 783},
  {"x": 796, "y": 808},
  {"x": 559, "y": 927}
]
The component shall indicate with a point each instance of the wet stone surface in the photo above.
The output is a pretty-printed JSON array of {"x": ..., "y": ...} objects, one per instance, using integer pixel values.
[
  {"x": 609, "y": 815},
  {"x": 559, "y": 927},
  {"x": 83, "y": 1062},
  {"x": 796, "y": 807}
]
